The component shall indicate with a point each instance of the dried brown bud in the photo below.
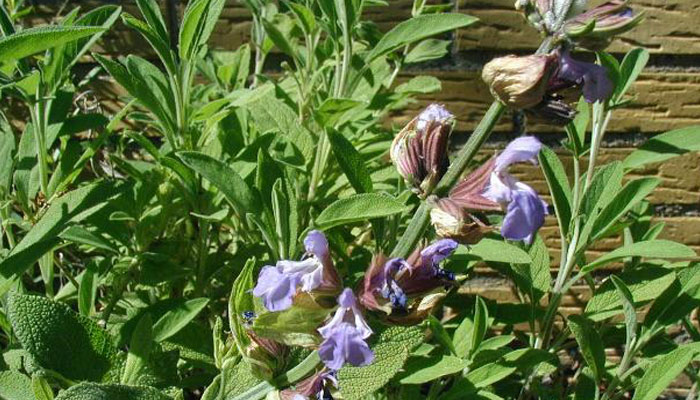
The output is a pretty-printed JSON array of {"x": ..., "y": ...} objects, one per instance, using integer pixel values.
[{"x": 519, "y": 81}]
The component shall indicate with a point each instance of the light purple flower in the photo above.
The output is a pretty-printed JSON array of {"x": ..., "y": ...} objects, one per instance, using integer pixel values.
[
  {"x": 278, "y": 284},
  {"x": 424, "y": 273},
  {"x": 344, "y": 335},
  {"x": 525, "y": 210}
]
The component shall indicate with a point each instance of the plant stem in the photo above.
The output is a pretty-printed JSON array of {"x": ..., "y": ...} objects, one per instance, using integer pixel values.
[{"x": 38, "y": 128}]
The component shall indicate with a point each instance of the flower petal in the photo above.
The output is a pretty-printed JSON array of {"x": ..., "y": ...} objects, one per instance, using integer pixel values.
[
  {"x": 597, "y": 86},
  {"x": 522, "y": 149},
  {"x": 275, "y": 288},
  {"x": 438, "y": 251},
  {"x": 525, "y": 215}
]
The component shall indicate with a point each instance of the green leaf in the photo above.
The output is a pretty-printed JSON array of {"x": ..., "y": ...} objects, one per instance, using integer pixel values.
[
  {"x": 7, "y": 151},
  {"x": 664, "y": 371},
  {"x": 576, "y": 129},
  {"x": 590, "y": 344},
  {"x": 652, "y": 249},
  {"x": 350, "y": 162},
  {"x": 241, "y": 300},
  {"x": 539, "y": 272},
  {"x": 422, "y": 84},
  {"x": 559, "y": 187},
  {"x": 295, "y": 326},
  {"x": 72, "y": 207},
  {"x": 110, "y": 391},
  {"x": 224, "y": 178},
  {"x": 440, "y": 334},
  {"x": 67, "y": 55},
  {"x": 177, "y": 318},
  {"x": 160, "y": 45},
  {"x": 628, "y": 307},
  {"x": 15, "y": 386},
  {"x": 272, "y": 114},
  {"x": 517, "y": 360},
  {"x": 429, "y": 49},
  {"x": 358, "y": 207},
  {"x": 586, "y": 387},
  {"x": 434, "y": 368},
  {"x": 34, "y": 40},
  {"x": 645, "y": 284},
  {"x": 79, "y": 235},
  {"x": 481, "y": 324},
  {"x": 197, "y": 25},
  {"x": 139, "y": 351},
  {"x": 145, "y": 84},
  {"x": 417, "y": 28},
  {"x": 390, "y": 353},
  {"x": 665, "y": 146},
  {"x": 59, "y": 339},
  {"x": 151, "y": 13},
  {"x": 495, "y": 251},
  {"x": 462, "y": 337},
  {"x": 632, "y": 65},
  {"x": 41, "y": 388},
  {"x": 86, "y": 293},
  {"x": 234, "y": 380},
  {"x": 633, "y": 192}
]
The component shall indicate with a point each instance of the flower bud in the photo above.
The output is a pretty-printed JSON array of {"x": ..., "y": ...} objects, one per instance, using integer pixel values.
[
  {"x": 419, "y": 150},
  {"x": 595, "y": 28},
  {"x": 266, "y": 357},
  {"x": 519, "y": 81}
]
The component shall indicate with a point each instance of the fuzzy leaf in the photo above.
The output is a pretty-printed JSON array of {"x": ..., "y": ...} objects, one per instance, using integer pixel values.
[
  {"x": 359, "y": 207},
  {"x": 59, "y": 339}
]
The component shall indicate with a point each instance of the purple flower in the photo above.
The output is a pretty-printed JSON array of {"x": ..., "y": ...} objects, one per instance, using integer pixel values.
[
  {"x": 278, "y": 284},
  {"x": 593, "y": 78},
  {"x": 344, "y": 335},
  {"x": 525, "y": 210}
]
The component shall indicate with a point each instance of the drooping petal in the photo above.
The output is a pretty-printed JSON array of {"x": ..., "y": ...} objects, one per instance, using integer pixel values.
[
  {"x": 597, "y": 86},
  {"x": 522, "y": 149},
  {"x": 345, "y": 344},
  {"x": 275, "y": 288},
  {"x": 525, "y": 215}
]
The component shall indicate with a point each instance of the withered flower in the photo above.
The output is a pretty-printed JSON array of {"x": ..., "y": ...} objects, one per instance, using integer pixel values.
[
  {"x": 533, "y": 83},
  {"x": 419, "y": 150}
]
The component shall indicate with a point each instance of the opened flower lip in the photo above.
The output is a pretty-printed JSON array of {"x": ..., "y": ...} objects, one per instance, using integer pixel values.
[
  {"x": 348, "y": 312},
  {"x": 419, "y": 150},
  {"x": 278, "y": 284},
  {"x": 525, "y": 211},
  {"x": 345, "y": 334}
]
